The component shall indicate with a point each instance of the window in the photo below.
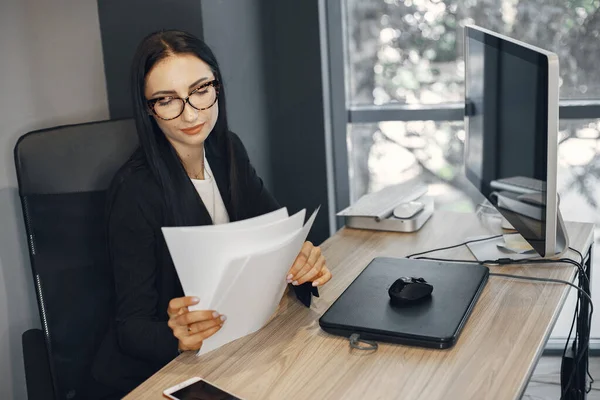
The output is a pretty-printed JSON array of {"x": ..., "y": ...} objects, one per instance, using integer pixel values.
[
  {"x": 403, "y": 79},
  {"x": 396, "y": 151},
  {"x": 410, "y": 51}
]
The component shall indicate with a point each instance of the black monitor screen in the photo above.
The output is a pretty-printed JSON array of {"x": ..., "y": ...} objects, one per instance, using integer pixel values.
[{"x": 507, "y": 130}]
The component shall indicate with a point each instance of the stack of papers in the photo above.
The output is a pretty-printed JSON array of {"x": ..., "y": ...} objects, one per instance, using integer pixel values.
[{"x": 238, "y": 269}]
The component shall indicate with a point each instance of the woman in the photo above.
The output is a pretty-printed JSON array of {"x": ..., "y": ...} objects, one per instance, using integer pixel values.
[{"x": 189, "y": 170}]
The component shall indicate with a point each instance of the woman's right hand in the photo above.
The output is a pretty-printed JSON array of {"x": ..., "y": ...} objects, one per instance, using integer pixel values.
[{"x": 191, "y": 328}]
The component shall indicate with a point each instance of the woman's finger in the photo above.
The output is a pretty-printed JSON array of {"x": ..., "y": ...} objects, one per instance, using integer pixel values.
[
  {"x": 315, "y": 254},
  {"x": 196, "y": 316},
  {"x": 176, "y": 304},
  {"x": 313, "y": 272},
  {"x": 300, "y": 260},
  {"x": 204, "y": 325},
  {"x": 209, "y": 332},
  {"x": 324, "y": 278}
]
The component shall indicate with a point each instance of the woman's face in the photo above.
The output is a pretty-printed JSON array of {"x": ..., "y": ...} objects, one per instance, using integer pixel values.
[{"x": 178, "y": 76}]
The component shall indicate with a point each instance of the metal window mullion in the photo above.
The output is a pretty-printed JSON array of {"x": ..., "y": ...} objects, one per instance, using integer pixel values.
[
  {"x": 326, "y": 79},
  {"x": 454, "y": 112},
  {"x": 579, "y": 109},
  {"x": 336, "y": 114},
  {"x": 373, "y": 114}
]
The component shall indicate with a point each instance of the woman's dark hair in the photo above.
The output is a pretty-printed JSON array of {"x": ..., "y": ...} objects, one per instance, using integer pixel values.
[{"x": 181, "y": 199}]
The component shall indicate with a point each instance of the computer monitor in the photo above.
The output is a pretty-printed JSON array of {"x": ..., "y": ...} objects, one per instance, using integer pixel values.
[{"x": 511, "y": 123}]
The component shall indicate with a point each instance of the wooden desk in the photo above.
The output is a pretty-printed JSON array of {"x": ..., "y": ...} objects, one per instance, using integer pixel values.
[{"x": 292, "y": 358}]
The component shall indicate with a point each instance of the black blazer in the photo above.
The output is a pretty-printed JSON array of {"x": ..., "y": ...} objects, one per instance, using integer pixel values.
[{"x": 139, "y": 341}]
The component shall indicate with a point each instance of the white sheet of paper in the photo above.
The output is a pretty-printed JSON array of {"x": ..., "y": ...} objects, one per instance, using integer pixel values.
[
  {"x": 233, "y": 269},
  {"x": 261, "y": 220},
  {"x": 254, "y": 294},
  {"x": 201, "y": 255},
  {"x": 232, "y": 272}
]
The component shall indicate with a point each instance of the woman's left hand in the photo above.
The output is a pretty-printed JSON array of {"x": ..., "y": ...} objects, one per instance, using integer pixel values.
[{"x": 310, "y": 266}]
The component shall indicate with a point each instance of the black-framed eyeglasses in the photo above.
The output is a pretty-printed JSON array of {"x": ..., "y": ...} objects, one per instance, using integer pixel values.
[{"x": 171, "y": 107}]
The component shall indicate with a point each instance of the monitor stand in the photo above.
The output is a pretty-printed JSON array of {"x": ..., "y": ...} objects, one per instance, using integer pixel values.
[{"x": 493, "y": 249}]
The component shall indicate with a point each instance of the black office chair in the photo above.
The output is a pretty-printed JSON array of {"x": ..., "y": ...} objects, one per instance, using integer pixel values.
[{"x": 63, "y": 174}]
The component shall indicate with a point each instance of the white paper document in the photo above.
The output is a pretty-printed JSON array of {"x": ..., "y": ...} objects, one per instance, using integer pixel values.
[
  {"x": 261, "y": 220},
  {"x": 238, "y": 269},
  {"x": 254, "y": 294},
  {"x": 201, "y": 255}
]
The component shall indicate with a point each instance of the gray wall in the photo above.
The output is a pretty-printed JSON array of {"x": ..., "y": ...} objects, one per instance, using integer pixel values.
[
  {"x": 295, "y": 107},
  {"x": 269, "y": 54},
  {"x": 232, "y": 29},
  {"x": 52, "y": 74}
]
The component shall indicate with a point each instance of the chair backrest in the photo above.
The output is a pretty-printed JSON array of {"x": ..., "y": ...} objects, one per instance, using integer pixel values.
[{"x": 63, "y": 175}]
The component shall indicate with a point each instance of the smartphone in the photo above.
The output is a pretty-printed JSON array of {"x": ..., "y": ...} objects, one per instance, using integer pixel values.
[{"x": 198, "y": 389}]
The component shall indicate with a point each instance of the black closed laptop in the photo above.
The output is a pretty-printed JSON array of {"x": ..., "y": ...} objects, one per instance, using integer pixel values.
[{"x": 435, "y": 321}]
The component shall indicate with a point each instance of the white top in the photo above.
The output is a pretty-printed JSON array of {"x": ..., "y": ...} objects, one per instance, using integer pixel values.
[{"x": 211, "y": 197}]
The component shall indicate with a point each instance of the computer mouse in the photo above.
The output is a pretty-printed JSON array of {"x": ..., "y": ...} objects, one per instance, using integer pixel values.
[{"x": 408, "y": 290}]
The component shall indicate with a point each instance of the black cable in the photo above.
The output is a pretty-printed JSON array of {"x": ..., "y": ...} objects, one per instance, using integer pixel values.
[
  {"x": 578, "y": 356},
  {"x": 589, "y": 327},
  {"x": 509, "y": 261},
  {"x": 575, "y": 263},
  {"x": 575, "y": 317},
  {"x": 506, "y": 261},
  {"x": 581, "y": 291},
  {"x": 537, "y": 261},
  {"x": 579, "y": 253},
  {"x": 446, "y": 260},
  {"x": 454, "y": 246},
  {"x": 576, "y": 340},
  {"x": 532, "y": 278},
  {"x": 574, "y": 348},
  {"x": 586, "y": 335},
  {"x": 588, "y": 368},
  {"x": 501, "y": 261},
  {"x": 586, "y": 332}
]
